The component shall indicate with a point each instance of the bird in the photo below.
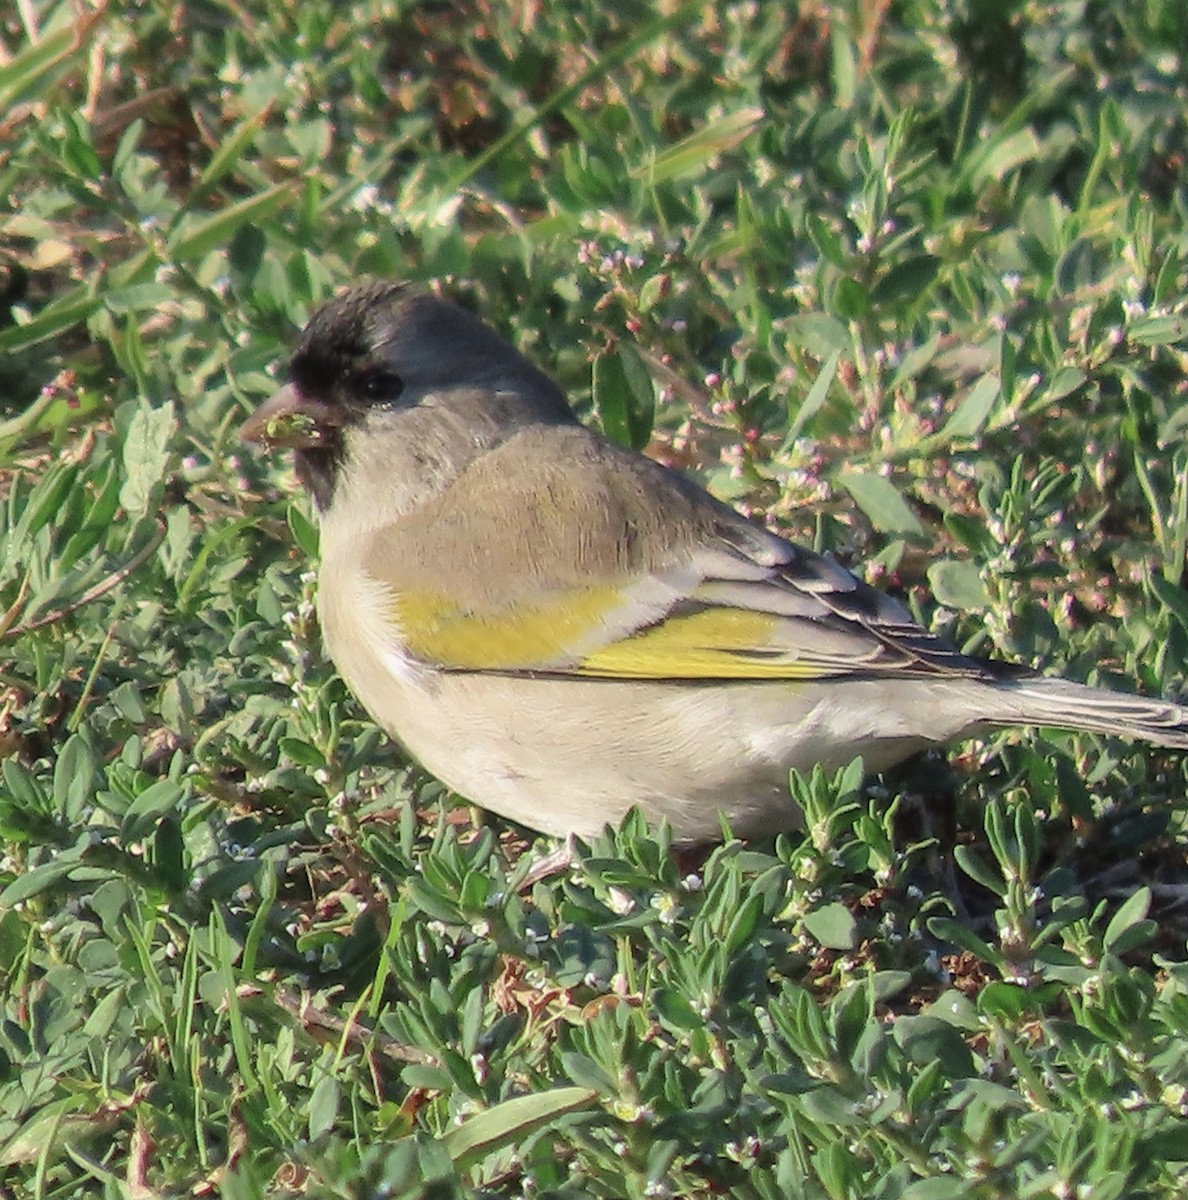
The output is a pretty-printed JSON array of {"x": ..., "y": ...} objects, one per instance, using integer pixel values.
[{"x": 560, "y": 628}]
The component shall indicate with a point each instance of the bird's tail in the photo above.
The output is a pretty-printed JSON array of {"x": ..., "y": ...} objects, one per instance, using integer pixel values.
[{"x": 1062, "y": 704}]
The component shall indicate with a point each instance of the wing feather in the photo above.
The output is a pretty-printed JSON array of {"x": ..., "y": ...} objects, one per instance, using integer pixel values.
[{"x": 725, "y": 600}]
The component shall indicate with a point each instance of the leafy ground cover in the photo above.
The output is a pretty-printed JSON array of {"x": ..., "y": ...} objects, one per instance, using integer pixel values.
[{"x": 905, "y": 281}]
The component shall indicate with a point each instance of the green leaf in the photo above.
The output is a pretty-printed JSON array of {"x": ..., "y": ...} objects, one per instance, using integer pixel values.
[
  {"x": 193, "y": 238},
  {"x": 818, "y": 333},
  {"x": 74, "y": 778},
  {"x": 138, "y": 297},
  {"x": 1139, "y": 934},
  {"x": 588, "y": 1074},
  {"x": 146, "y": 456},
  {"x": 34, "y": 882},
  {"x": 423, "y": 1075},
  {"x": 695, "y": 154},
  {"x": 916, "y": 360},
  {"x": 851, "y": 299},
  {"x": 23, "y": 789},
  {"x": 972, "y": 533},
  {"x": 832, "y": 925},
  {"x": 47, "y": 499},
  {"x": 973, "y": 865},
  {"x": 1011, "y": 1002},
  {"x": 167, "y": 852},
  {"x": 152, "y": 804},
  {"x": 1130, "y": 915},
  {"x": 71, "y": 310},
  {"x": 304, "y": 531},
  {"x": 1158, "y": 331},
  {"x": 742, "y": 925},
  {"x": 675, "y": 1010},
  {"x": 998, "y": 156},
  {"x": 954, "y": 1008},
  {"x": 30, "y": 1140},
  {"x": 906, "y": 281},
  {"x": 958, "y": 584},
  {"x": 229, "y": 151},
  {"x": 78, "y": 150},
  {"x": 960, "y": 935},
  {"x": 971, "y": 413},
  {"x": 929, "y": 1039},
  {"x": 20, "y": 75},
  {"x": 831, "y": 1106},
  {"x": 302, "y": 753},
  {"x": 432, "y": 902},
  {"x": 509, "y": 1122},
  {"x": 323, "y": 1106},
  {"x": 889, "y": 983},
  {"x": 812, "y": 403},
  {"x": 880, "y": 500},
  {"x": 127, "y": 700},
  {"x": 624, "y": 396},
  {"x": 942, "y": 1187},
  {"x": 1005, "y": 1000},
  {"x": 1063, "y": 383}
]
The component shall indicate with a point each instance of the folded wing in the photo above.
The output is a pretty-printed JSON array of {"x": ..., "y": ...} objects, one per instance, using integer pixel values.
[{"x": 734, "y": 603}]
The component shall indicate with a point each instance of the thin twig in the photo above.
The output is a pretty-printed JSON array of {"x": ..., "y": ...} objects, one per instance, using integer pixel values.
[
  {"x": 318, "y": 1021},
  {"x": 93, "y": 593}
]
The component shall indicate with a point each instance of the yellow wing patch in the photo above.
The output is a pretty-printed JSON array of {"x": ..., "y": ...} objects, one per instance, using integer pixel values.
[
  {"x": 574, "y": 632},
  {"x": 543, "y": 637},
  {"x": 716, "y": 643}
]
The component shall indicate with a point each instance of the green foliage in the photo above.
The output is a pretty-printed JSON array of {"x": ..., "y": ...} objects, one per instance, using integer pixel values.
[{"x": 907, "y": 279}]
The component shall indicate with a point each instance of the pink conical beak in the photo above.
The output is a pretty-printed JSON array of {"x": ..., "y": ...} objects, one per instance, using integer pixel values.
[{"x": 290, "y": 419}]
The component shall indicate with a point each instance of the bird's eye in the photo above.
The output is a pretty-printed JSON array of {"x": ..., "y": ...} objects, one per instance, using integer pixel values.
[{"x": 381, "y": 387}]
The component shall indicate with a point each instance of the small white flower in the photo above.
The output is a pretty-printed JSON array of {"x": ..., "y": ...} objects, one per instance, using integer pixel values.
[{"x": 365, "y": 197}]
